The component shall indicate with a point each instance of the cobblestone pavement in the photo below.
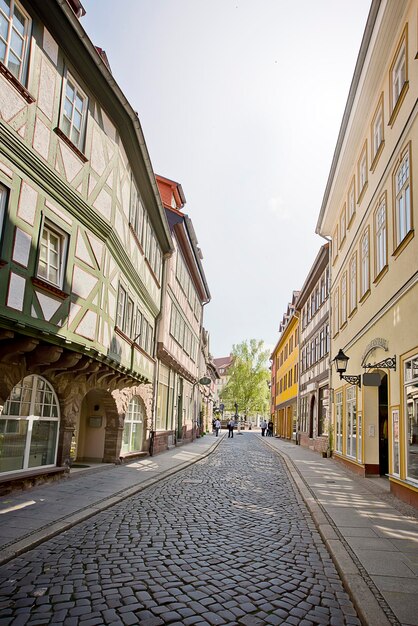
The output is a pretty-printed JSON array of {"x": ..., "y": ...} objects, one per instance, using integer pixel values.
[{"x": 226, "y": 541}]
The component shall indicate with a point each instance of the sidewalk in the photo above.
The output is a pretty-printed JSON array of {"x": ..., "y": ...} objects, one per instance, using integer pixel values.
[
  {"x": 28, "y": 518},
  {"x": 371, "y": 535}
]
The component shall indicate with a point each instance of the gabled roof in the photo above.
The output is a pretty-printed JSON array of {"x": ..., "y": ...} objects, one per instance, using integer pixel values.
[{"x": 223, "y": 361}]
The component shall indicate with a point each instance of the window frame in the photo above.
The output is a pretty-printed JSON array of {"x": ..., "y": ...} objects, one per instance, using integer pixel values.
[
  {"x": 80, "y": 146},
  {"x": 336, "y": 312},
  {"x": 24, "y": 65},
  {"x": 342, "y": 225},
  {"x": 352, "y": 279},
  {"x": 344, "y": 302},
  {"x": 397, "y": 99},
  {"x": 351, "y": 205},
  {"x": 364, "y": 264},
  {"x": 382, "y": 204},
  {"x": 376, "y": 150},
  {"x": 63, "y": 237},
  {"x": 362, "y": 170},
  {"x": 399, "y": 241}
]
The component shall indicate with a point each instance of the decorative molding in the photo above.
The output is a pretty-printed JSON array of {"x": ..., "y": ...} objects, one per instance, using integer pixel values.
[
  {"x": 70, "y": 144},
  {"x": 16, "y": 84},
  {"x": 45, "y": 286},
  {"x": 389, "y": 363}
]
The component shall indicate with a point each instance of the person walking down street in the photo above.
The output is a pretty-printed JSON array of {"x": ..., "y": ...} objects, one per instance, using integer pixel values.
[
  {"x": 263, "y": 426},
  {"x": 231, "y": 425},
  {"x": 270, "y": 427},
  {"x": 217, "y": 427}
]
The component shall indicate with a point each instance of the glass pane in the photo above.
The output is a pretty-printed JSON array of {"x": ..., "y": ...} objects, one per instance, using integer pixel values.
[
  {"x": 68, "y": 108},
  {"x": 14, "y": 64},
  {"x": 77, "y": 120},
  {"x": 12, "y": 444},
  {"x": 65, "y": 125},
  {"x": 5, "y": 6},
  {"x": 19, "y": 21},
  {"x": 17, "y": 44},
  {"x": 43, "y": 443},
  {"x": 2, "y": 51},
  {"x": 75, "y": 136},
  {"x": 126, "y": 437},
  {"x": 4, "y": 27},
  {"x": 69, "y": 91},
  {"x": 79, "y": 101}
]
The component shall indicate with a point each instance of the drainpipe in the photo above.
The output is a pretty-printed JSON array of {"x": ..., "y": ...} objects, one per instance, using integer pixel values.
[{"x": 157, "y": 362}]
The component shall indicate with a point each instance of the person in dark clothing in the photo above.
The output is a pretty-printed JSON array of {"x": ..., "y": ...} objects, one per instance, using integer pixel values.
[
  {"x": 270, "y": 427},
  {"x": 231, "y": 425}
]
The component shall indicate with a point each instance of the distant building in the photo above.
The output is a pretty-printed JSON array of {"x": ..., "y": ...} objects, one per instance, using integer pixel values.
[
  {"x": 312, "y": 307},
  {"x": 185, "y": 291},
  {"x": 285, "y": 374},
  {"x": 222, "y": 365}
]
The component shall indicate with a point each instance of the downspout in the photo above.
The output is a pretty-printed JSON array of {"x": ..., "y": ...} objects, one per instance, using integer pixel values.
[{"x": 155, "y": 350}]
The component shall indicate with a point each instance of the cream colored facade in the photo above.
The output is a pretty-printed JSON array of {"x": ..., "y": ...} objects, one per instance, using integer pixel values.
[{"x": 369, "y": 211}]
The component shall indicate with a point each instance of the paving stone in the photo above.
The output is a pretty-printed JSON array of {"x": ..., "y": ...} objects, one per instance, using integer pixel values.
[{"x": 167, "y": 555}]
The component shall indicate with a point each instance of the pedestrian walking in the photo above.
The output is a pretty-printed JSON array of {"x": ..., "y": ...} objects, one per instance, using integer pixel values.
[
  {"x": 263, "y": 426},
  {"x": 231, "y": 425},
  {"x": 270, "y": 427},
  {"x": 217, "y": 427}
]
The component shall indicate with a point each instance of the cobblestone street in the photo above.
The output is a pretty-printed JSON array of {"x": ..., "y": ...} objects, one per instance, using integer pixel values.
[{"x": 226, "y": 541}]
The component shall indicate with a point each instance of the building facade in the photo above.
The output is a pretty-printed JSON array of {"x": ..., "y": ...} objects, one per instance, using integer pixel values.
[
  {"x": 83, "y": 233},
  {"x": 185, "y": 292},
  {"x": 370, "y": 212},
  {"x": 312, "y": 307},
  {"x": 285, "y": 374}
]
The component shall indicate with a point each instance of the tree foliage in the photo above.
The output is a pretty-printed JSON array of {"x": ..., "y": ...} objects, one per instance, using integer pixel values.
[{"x": 249, "y": 375}]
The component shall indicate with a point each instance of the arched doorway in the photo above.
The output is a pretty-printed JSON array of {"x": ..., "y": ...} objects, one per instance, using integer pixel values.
[
  {"x": 311, "y": 418},
  {"x": 29, "y": 426},
  {"x": 90, "y": 432},
  {"x": 383, "y": 426}
]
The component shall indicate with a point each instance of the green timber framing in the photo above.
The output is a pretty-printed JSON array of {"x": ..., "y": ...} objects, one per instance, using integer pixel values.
[{"x": 67, "y": 334}]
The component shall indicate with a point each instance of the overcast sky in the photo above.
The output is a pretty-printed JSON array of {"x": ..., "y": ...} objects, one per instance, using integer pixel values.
[{"x": 240, "y": 101}]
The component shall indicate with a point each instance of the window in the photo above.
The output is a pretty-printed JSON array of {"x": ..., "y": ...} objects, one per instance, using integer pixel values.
[
  {"x": 351, "y": 435},
  {"x": 364, "y": 263},
  {"x": 334, "y": 245},
  {"x": 342, "y": 226},
  {"x": 353, "y": 283},
  {"x": 398, "y": 76},
  {"x": 411, "y": 416},
  {"x": 403, "y": 219},
  {"x": 3, "y": 199},
  {"x": 52, "y": 253},
  {"x": 351, "y": 201},
  {"x": 14, "y": 37},
  {"x": 380, "y": 236},
  {"x": 377, "y": 132},
  {"x": 133, "y": 426},
  {"x": 344, "y": 299},
  {"x": 339, "y": 421},
  {"x": 29, "y": 426},
  {"x": 74, "y": 112},
  {"x": 336, "y": 312},
  {"x": 136, "y": 213},
  {"x": 362, "y": 172}
]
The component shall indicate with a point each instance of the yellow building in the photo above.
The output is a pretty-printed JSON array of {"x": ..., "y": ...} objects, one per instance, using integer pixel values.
[
  {"x": 369, "y": 210},
  {"x": 285, "y": 374}
]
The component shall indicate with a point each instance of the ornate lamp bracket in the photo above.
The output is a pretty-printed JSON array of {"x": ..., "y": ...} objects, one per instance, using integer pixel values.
[
  {"x": 389, "y": 363},
  {"x": 353, "y": 380}
]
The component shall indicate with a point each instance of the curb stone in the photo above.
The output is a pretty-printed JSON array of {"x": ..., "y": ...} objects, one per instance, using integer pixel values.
[{"x": 363, "y": 598}]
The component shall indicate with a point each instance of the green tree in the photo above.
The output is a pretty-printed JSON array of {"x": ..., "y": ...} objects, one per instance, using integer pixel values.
[{"x": 249, "y": 375}]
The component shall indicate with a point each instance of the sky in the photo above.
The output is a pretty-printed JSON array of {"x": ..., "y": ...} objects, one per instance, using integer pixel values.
[{"x": 240, "y": 102}]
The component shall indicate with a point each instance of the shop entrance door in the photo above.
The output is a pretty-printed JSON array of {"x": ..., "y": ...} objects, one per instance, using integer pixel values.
[{"x": 383, "y": 427}]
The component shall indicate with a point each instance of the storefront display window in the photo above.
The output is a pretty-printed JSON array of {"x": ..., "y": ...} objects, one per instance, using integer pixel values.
[
  {"x": 351, "y": 422},
  {"x": 339, "y": 421},
  {"x": 411, "y": 409},
  {"x": 133, "y": 428},
  {"x": 395, "y": 441},
  {"x": 29, "y": 426}
]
